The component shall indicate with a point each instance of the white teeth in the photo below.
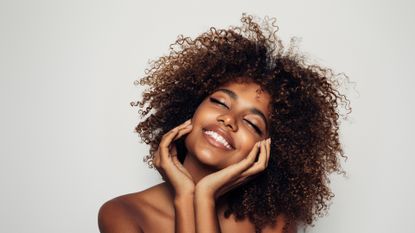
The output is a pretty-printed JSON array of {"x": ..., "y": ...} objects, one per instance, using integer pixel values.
[{"x": 218, "y": 138}]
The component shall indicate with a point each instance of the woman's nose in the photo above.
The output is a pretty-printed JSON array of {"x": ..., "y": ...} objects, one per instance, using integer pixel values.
[{"x": 229, "y": 121}]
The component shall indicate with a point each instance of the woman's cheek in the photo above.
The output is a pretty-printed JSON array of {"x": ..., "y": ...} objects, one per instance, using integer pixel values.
[{"x": 246, "y": 147}]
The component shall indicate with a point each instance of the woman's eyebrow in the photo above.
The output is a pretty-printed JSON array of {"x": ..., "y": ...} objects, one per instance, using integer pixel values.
[
  {"x": 229, "y": 92},
  {"x": 253, "y": 110}
]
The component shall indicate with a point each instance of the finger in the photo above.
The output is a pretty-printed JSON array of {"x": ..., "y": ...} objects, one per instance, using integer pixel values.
[
  {"x": 234, "y": 171},
  {"x": 156, "y": 158},
  {"x": 168, "y": 138},
  {"x": 250, "y": 159},
  {"x": 260, "y": 165},
  {"x": 266, "y": 145},
  {"x": 265, "y": 148},
  {"x": 157, "y": 165},
  {"x": 263, "y": 154},
  {"x": 183, "y": 131},
  {"x": 252, "y": 155},
  {"x": 164, "y": 145},
  {"x": 184, "y": 124},
  {"x": 262, "y": 158},
  {"x": 268, "y": 151}
]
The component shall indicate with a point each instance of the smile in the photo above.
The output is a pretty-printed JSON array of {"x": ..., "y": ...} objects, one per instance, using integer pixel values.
[{"x": 217, "y": 140}]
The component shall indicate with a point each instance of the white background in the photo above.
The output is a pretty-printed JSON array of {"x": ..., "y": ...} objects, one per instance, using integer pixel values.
[{"x": 66, "y": 80}]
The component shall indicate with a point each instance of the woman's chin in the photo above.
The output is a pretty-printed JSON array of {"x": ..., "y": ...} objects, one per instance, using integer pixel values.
[
  {"x": 209, "y": 160},
  {"x": 207, "y": 155}
]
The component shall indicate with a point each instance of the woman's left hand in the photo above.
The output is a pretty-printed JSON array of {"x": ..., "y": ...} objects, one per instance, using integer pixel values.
[{"x": 220, "y": 182}]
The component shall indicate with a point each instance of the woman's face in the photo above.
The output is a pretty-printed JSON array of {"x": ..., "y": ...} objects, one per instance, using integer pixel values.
[{"x": 228, "y": 123}]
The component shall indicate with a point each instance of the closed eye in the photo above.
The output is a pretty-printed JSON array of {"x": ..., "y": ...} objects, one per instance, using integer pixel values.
[
  {"x": 256, "y": 128},
  {"x": 218, "y": 102}
]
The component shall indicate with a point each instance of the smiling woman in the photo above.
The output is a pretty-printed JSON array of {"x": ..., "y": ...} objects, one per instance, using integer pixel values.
[
  {"x": 259, "y": 138},
  {"x": 226, "y": 125}
]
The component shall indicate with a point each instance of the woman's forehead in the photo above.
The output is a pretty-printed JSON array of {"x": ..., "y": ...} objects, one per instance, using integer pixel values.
[
  {"x": 248, "y": 89},
  {"x": 249, "y": 92}
]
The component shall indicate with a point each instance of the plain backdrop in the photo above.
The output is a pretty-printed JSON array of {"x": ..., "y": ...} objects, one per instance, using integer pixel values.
[{"x": 66, "y": 80}]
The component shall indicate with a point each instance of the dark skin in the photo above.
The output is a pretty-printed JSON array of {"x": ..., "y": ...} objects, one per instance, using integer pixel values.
[{"x": 190, "y": 199}]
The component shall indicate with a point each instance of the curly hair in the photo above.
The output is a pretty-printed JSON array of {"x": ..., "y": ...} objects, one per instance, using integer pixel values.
[{"x": 304, "y": 122}]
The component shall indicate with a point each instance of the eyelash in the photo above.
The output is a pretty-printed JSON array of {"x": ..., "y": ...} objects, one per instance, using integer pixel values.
[
  {"x": 257, "y": 130},
  {"x": 255, "y": 127},
  {"x": 218, "y": 102}
]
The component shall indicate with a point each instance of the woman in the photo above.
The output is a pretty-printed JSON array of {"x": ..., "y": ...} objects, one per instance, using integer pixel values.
[{"x": 259, "y": 138}]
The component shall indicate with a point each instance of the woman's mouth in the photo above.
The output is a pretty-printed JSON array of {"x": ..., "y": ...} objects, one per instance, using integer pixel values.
[{"x": 217, "y": 140}]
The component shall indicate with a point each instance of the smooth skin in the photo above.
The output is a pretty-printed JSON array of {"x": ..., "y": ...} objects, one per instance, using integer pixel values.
[{"x": 190, "y": 199}]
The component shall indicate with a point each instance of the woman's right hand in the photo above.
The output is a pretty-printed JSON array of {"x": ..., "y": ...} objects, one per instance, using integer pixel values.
[{"x": 166, "y": 162}]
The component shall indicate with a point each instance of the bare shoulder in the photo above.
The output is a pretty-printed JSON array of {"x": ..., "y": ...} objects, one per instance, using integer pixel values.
[
  {"x": 116, "y": 216},
  {"x": 133, "y": 213}
]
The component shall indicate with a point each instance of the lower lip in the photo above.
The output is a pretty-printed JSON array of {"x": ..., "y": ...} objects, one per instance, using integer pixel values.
[{"x": 215, "y": 143}]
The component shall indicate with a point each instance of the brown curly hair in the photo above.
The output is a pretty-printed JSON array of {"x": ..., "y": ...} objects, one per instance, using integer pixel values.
[{"x": 304, "y": 122}]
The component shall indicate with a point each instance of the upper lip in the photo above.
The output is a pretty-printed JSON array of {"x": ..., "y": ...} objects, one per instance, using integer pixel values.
[{"x": 224, "y": 133}]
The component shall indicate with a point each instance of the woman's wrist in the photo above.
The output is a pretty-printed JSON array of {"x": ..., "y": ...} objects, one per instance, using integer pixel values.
[
  {"x": 205, "y": 210},
  {"x": 184, "y": 213},
  {"x": 204, "y": 194},
  {"x": 184, "y": 197},
  {"x": 183, "y": 192}
]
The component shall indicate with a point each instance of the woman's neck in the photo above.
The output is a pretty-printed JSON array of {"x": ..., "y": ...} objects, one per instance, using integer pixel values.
[{"x": 195, "y": 168}]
